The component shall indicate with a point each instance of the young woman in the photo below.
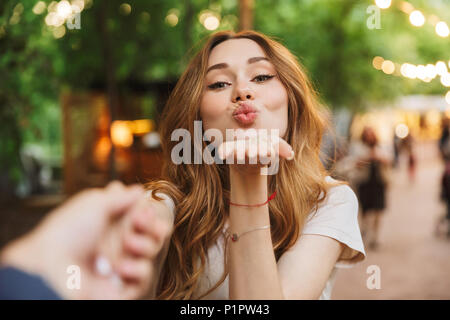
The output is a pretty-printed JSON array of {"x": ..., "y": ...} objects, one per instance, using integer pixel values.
[{"x": 239, "y": 234}]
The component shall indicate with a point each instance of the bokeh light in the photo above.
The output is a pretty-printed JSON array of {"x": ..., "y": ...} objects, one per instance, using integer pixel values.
[
  {"x": 401, "y": 130},
  {"x": 383, "y": 4},
  {"x": 377, "y": 62},
  {"x": 445, "y": 80},
  {"x": 59, "y": 32},
  {"x": 121, "y": 134},
  {"x": 172, "y": 17},
  {"x": 417, "y": 18},
  {"x": 441, "y": 68},
  {"x": 64, "y": 9},
  {"x": 388, "y": 67},
  {"x": 211, "y": 23},
  {"x": 39, "y": 7},
  {"x": 125, "y": 9},
  {"x": 442, "y": 29}
]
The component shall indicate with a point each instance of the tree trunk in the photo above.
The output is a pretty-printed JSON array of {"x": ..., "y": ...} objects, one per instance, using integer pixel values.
[
  {"x": 245, "y": 15},
  {"x": 110, "y": 72}
]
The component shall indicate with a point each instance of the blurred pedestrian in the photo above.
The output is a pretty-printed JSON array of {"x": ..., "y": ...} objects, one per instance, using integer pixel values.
[
  {"x": 396, "y": 145},
  {"x": 371, "y": 164},
  {"x": 444, "y": 148},
  {"x": 407, "y": 145}
]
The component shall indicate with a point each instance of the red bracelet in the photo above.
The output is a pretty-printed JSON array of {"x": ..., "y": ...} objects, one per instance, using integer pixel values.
[{"x": 255, "y": 205}]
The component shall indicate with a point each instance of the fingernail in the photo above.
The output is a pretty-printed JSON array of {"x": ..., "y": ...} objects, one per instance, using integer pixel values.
[
  {"x": 102, "y": 266},
  {"x": 291, "y": 156},
  {"x": 116, "y": 280}
]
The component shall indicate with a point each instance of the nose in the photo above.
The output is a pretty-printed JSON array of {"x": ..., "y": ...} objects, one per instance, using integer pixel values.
[{"x": 243, "y": 93}]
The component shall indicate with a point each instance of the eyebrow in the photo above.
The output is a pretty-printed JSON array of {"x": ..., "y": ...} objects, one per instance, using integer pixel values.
[{"x": 225, "y": 65}]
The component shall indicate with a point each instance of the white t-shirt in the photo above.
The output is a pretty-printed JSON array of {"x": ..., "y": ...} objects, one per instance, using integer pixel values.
[{"x": 336, "y": 217}]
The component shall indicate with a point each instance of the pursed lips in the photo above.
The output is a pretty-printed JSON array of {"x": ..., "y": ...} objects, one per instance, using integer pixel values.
[{"x": 245, "y": 114}]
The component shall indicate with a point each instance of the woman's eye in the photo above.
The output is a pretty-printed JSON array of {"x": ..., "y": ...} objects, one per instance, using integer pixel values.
[
  {"x": 259, "y": 78},
  {"x": 263, "y": 77},
  {"x": 217, "y": 85}
]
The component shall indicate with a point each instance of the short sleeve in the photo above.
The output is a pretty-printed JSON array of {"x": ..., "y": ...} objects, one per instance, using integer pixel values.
[{"x": 337, "y": 218}]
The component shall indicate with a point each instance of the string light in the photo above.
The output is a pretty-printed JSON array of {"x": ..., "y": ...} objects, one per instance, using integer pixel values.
[
  {"x": 383, "y": 4},
  {"x": 441, "y": 68},
  {"x": 377, "y": 62},
  {"x": 447, "y": 97},
  {"x": 388, "y": 67},
  {"x": 445, "y": 80},
  {"x": 442, "y": 29},
  {"x": 425, "y": 73},
  {"x": 417, "y": 18}
]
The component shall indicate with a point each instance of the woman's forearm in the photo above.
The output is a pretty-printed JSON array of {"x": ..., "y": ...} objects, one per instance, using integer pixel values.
[{"x": 253, "y": 268}]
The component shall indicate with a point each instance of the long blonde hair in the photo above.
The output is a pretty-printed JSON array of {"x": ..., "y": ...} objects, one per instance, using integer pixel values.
[{"x": 201, "y": 192}]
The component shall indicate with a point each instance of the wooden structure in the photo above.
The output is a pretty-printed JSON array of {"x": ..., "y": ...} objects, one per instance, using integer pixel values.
[{"x": 87, "y": 144}]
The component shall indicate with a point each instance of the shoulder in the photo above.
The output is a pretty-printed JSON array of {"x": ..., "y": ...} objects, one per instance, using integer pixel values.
[
  {"x": 337, "y": 218},
  {"x": 339, "y": 205},
  {"x": 338, "y": 195}
]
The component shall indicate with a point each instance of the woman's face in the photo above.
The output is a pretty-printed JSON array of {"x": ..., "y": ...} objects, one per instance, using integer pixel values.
[{"x": 242, "y": 90}]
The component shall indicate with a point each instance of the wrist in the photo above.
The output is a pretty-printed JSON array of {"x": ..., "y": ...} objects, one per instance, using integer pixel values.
[
  {"x": 249, "y": 189},
  {"x": 245, "y": 178},
  {"x": 19, "y": 254},
  {"x": 247, "y": 170}
]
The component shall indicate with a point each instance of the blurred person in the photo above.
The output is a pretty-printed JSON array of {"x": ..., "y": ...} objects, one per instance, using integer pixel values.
[
  {"x": 396, "y": 144},
  {"x": 239, "y": 234},
  {"x": 35, "y": 266},
  {"x": 444, "y": 145},
  {"x": 407, "y": 145},
  {"x": 444, "y": 148},
  {"x": 371, "y": 163}
]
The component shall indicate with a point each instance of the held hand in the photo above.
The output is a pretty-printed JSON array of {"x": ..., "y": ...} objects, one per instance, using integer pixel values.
[
  {"x": 133, "y": 245},
  {"x": 251, "y": 151},
  {"x": 72, "y": 235}
]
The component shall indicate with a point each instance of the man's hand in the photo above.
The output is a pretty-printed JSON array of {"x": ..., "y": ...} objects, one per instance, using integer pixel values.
[{"x": 73, "y": 235}]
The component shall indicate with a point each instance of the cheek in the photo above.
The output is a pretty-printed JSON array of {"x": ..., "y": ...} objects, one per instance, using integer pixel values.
[
  {"x": 276, "y": 97},
  {"x": 276, "y": 100},
  {"x": 212, "y": 108}
]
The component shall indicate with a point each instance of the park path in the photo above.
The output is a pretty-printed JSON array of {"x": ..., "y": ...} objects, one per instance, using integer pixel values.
[{"x": 414, "y": 262}]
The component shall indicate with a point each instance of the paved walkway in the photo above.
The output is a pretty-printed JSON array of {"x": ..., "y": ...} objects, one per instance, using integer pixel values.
[{"x": 414, "y": 263}]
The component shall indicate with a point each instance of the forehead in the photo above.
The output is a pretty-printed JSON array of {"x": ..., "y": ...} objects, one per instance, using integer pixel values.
[{"x": 235, "y": 51}]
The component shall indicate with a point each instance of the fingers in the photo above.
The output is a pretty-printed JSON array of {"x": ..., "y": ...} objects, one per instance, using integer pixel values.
[
  {"x": 135, "y": 270},
  {"x": 136, "y": 276},
  {"x": 141, "y": 245},
  {"x": 147, "y": 222},
  {"x": 130, "y": 278},
  {"x": 257, "y": 148},
  {"x": 146, "y": 233},
  {"x": 285, "y": 150}
]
